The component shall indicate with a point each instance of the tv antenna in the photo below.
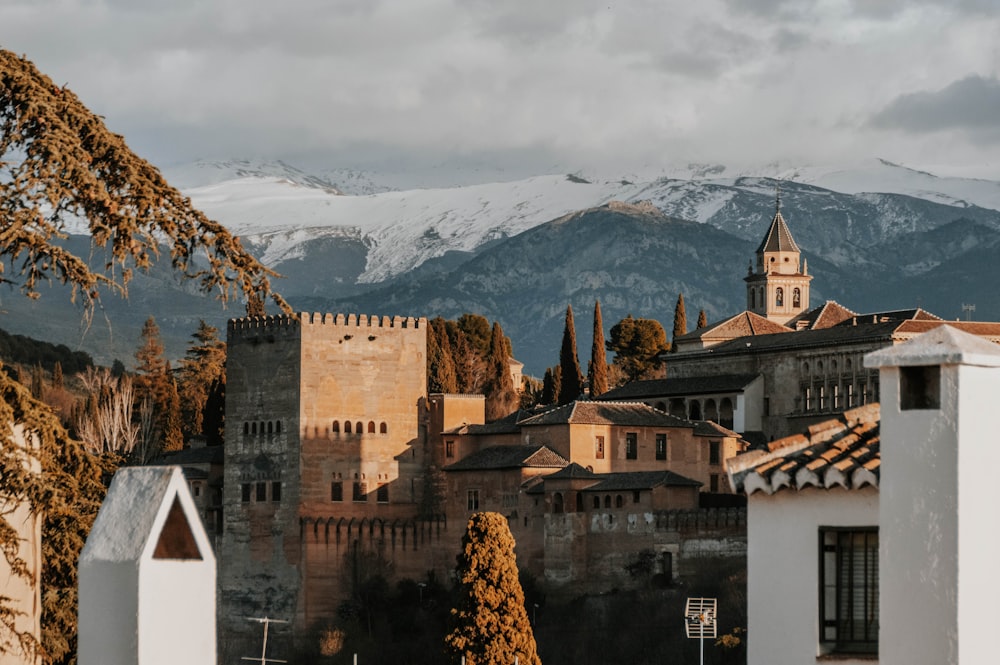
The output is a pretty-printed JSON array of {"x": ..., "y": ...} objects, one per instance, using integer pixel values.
[
  {"x": 699, "y": 620},
  {"x": 264, "y": 660},
  {"x": 968, "y": 309}
]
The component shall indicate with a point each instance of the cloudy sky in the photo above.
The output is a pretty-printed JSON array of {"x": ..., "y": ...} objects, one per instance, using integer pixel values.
[{"x": 529, "y": 86}]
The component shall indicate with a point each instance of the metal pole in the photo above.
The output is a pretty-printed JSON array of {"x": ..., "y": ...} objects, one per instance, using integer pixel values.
[{"x": 701, "y": 643}]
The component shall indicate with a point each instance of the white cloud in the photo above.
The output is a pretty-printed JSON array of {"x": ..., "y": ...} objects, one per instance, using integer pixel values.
[{"x": 530, "y": 86}]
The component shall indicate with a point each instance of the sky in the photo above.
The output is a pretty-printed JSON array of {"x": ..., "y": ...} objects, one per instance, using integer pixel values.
[{"x": 524, "y": 87}]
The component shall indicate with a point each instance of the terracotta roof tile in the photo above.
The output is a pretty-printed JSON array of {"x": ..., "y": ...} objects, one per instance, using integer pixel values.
[
  {"x": 607, "y": 413},
  {"x": 724, "y": 383},
  {"x": 509, "y": 457},
  {"x": 778, "y": 238},
  {"x": 842, "y": 451}
]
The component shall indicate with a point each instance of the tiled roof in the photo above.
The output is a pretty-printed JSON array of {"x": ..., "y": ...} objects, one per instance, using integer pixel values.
[
  {"x": 572, "y": 470},
  {"x": 778, "y": 238},
  {"x": 840, "y": 334},
  {"x": 709, "y": 428},
  {"x": 739, "y": 325},
  {"x": 606, "y": 413},
  {"x": 826, "y": 315},
  {"x": 639, "y": 480},
  {"x": 842, "y": 451},
  {"x": 509, "y": 457},
  {"x": 699, "y": 385},
  {"x": 980, "y": 328}
]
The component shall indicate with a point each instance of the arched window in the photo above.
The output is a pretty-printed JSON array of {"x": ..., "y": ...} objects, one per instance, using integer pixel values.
[
  {"x": 753, "y": 298},
  {"x": 383, "y": 429},
  {"x": 579, "y": 502},
  {"x": 360, "y": 427},
  {"x": 557, "y": 503},
  {"x": 694, "y": 410},
  {"x": 277, "y": 427},
  {"x": 270, "y": 427},
  {"x": 618, "y": 501},
  {"x": 796, "y": 297},
  {"x": 261, "y": 430},
  {"x": 253, "y": 428},
  {"x": 597, "y": 502},
  {"x": 607, "y": 500},
  {"x": 336, "y": 427},
  {"x": 371, "y": 426},
  {"x": 246, "y": 428},
  {"x": 779, "y": 297},
  {"x": 347, "y": 427}
]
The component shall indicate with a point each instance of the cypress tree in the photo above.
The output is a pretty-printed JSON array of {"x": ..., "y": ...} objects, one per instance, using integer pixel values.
[
  {"x": 501, "y": 398},
  {"x": 702, "y": 319},
  {"x": 170, "y": 419},
  {"x": 490, "y": 624},
  {"x": 37, "y": 382},
  {"x": 680, "y": 319},
  {"x": 571, "y": 385},
  {"x": 57, "y": 376},
  {"x": 441, "y": 375},
  {"x": 203, "y": 365},
  {"x": 598, "y": 369}
]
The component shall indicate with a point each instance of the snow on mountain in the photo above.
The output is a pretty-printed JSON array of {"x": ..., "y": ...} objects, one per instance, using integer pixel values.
[{"x": 279, "y": 207}]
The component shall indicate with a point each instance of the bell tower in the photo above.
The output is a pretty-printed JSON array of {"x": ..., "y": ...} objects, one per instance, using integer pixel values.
[{"x": 778, "y": 287}]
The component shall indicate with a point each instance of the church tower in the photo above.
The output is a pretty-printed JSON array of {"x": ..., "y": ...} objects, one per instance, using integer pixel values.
[{"x": 778, "y": 288}]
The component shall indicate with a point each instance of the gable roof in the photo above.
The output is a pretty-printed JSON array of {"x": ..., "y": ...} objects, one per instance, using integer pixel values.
[
  {"x": 606, "y": 413},
  {"x": 826, "y": 315},
  {"x": 134, "y": 512},
  {"x": 944, "y": 345},
  {"x": 639, "y": 480},
  {"x": 778, "y": 238},
  {"x": 509, "y": 457},
  {"x": 842, "y": 451},
  {"x": 739, "y": 325},
  {"x": 570, "y": 471},
  {"x": 698, "y": 385}
]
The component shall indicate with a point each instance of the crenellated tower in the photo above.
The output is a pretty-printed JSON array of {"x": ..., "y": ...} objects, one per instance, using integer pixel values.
[{"x": 778, "y": 288}]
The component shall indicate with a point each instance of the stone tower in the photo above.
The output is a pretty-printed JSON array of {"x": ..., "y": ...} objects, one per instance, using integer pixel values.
[
  {"x": 779, "y": 286},
  {"x": 324, "y": 423}
]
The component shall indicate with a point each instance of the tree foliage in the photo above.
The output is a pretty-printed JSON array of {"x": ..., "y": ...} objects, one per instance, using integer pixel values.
[
  {"x": 489, "y": 625},
  {"x": 501, "y": 397},
  {"x": 598, "y": 369},
  {"x": 441, "y": 374},
  {"x": 202, "y": 372},
  {"x": 702, "y": 319},
  {"x": 638, "y": 345},
  {"x": 680, "y": 319},
  {"x": 59, "y": 163},
  {"x": 571, "y": 385},
  {"x": 155, "y": 384},
  {"x": 551, "y": 385}
]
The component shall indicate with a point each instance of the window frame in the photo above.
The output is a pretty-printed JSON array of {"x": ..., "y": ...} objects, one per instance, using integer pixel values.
[
  {"x": 631, "y": 445},
  {"x": 598, "y": 446},
  {"x": 661, "y": 445},
  {"x": 472, "y": 499},
  {"x": 836, "y": 550}
]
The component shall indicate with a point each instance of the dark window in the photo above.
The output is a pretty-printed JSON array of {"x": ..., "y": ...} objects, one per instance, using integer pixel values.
[
  {"x": 270, "y": 427},
  {"x": 246, "y": 428},
  {"x": 636, "y": 495},
  {"x": 336, "y": 427},
  {"x": 597, "y": 502},
  {"x": 382, "y": 494},
  {"x": 796, "y": 298},
  {"x": 779, "y": 297},
  {"x": 579, "y": 502},
  {"x": 557, "y": 503},
  {"x": 661, "y": 446},
  {"x": 607, "y": 500},
  {"x": 713, "y": 483},
  {"x": 261, "y": 492},
  {"x": 360, "y": 492},
  {"x": 347, "y": 427},
  {"x": 336, "y": 491},
  {"x": 449, "y": 448},
  {"x": 245, "y": 492},
  {"x": 713, "y": 452},
  {"x": 277, "y": 427},
  {"x": 919, "y": 388},
  {"x": 619, "y": 501},
  {"x": 631, "y": 445},
  {"x": 360, "y": 428},
  {"x": 383, "y": 428},
  {"x": 848, "y": 602},
  {"x": 253, "y": 428},
  {"x": 598, "y": 447},
  {"x": 473, "y": 499},
  {"x": 276, "y": 491},
  {"x": 371, "y": 426}
]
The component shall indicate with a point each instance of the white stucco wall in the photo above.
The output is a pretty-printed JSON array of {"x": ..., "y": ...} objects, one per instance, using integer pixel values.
[
  {"x": 177, "y": 610},
  {"x": 783, "y": 568},
  {"x": 939, "y": 548},
  {"x": 108, "y": 621}
]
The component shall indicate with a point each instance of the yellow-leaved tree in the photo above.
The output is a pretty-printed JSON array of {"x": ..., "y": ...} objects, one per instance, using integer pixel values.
[{"x": 59, "y": 164}]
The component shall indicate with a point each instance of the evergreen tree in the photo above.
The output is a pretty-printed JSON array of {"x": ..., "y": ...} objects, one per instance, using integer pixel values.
[
  {"x": 680, "y": 319},
  {"x": 37, "y": 382},
  {"x": 571, "y": 385},
  {"x": 202, "y": 368},
  {"x": 550, "y": 386},
  {"x": 501, "y": 398},
  {"x": 441, "y": 376},
  {"x": 477, "y": 332},
  {"x": 489, "y": 625},
  {"x": 173, "y": 437},
  {"x": 154, "y": 383},
  {"x": 598, "y": 369},
  {"x": 638, "y": 345},
  {"x": 57, "y": 376},
  {"x": 702, "y": 319}
]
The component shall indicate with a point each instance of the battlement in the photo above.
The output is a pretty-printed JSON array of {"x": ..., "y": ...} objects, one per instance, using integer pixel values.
[{"x": 286, "y": 325}]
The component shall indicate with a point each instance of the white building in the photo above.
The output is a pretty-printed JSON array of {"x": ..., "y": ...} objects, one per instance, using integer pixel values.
[
  {"x": 147, "y": 576},
  {"x": 848, "y": 562}
]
